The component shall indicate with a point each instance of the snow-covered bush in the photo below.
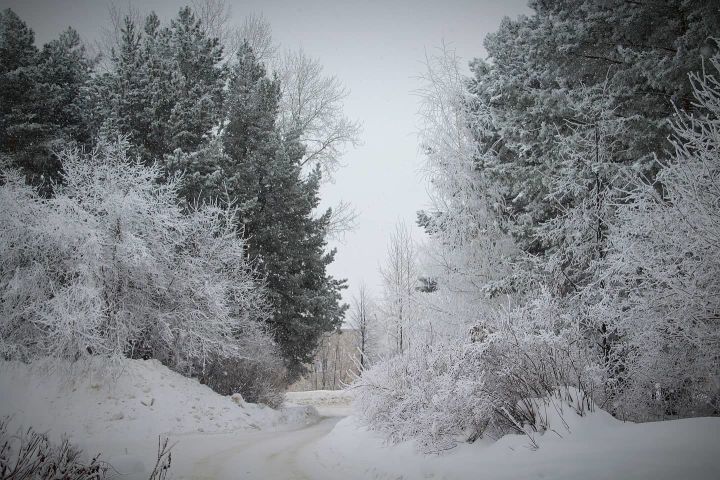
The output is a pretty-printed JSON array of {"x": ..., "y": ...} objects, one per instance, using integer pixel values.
[
  {"x": 112, "y": 266},
  {"x": 260, "y": 375},
  {"x": 485, "y": 385}
]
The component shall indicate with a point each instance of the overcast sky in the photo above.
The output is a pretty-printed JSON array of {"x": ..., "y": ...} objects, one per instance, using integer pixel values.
[{"x": 377, "y": 49}]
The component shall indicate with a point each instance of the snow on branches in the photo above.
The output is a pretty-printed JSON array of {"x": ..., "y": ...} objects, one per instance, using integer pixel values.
[
  {"x": 620, "y": 305},
  {"x": 111, "y": 266},
  {"x": 663, "y": 271},
  {"x": 458, "y": 390}
]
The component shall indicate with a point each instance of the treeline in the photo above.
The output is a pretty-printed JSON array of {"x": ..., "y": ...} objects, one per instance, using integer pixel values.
[
  {"x": 175, "y": 147},
  {"x": 574, "y": 226}
]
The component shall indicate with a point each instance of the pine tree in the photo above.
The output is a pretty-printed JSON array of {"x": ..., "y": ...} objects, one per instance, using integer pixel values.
[
  {"x": 641, "y": 51},
  {"x": 166, "y": 88},
  {"x": 264, "y": 175},
  {"x": 198, "y": 80},
  {"x": 63, "y": 73},
  {"x": 42, "y": 98},
  {"x": 18, "y": 56}
]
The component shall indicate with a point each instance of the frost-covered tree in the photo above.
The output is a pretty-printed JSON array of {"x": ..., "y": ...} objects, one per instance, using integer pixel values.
[
  {"x": 121, "y": 98},
  {"x": 111, "y": 266},
  {"x": 469, "y": 254},
  {"x": 198, "y": 82},
  {"x": 588, "y": 180},
  {"x": 18, "y": 55},
  {"x": 400, "y": 281},
  {"x": 363, "y": 319},
  {"x": 663, "y": 271},
  {"x": 641, "y": 51},
  {"x": 63, "y": 75},
  {"x": 165, "y": 85}
]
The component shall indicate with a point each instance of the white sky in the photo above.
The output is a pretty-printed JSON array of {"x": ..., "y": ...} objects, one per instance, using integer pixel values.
[{"x": 377, "y": 49}]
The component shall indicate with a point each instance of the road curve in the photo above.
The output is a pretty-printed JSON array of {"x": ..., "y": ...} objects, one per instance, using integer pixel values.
[{"x": 249, "y": 456}]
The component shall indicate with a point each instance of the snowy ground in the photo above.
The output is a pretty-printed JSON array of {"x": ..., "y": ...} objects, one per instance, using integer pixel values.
[
  {"x": 122, "y": 412},
  {"x": 595, "y": 448},
  {"x": 216, "y": 437},
  {"x": 289, "y": 454}
]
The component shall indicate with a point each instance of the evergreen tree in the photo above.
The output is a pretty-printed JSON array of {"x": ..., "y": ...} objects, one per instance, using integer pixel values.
[
  {"x": 18, "y": 56},
  {"x": 157, "y": 69},
  {"x": 63, "y": 74},
  {"x": 198, "y": 80},
  {"x": 42, "y": 97},
  {"x": 638, "y": 53},
  {"x": 166, "y": 87},
  {"x": 264, "y": 175},
  {"x": 124, "y": 92}
]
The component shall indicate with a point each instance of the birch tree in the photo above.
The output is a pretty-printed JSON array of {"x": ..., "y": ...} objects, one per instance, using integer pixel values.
[{"x": 400, "y": 282}]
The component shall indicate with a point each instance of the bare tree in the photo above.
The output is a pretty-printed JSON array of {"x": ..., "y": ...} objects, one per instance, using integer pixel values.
[
  {"x": 333, "y": 362},
  {"x": 343, "y": 219},
  {"x": 361, "y": 320},
  {"x": 214, "y": 16},
  {"x": 400, "y": 281},
  {"x": 256, "y": 30},
  {"x": 312, "y": 107}
]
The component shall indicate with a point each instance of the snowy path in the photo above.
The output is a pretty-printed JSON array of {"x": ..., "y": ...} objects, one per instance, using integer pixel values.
[{"x": 249, "y": 456}]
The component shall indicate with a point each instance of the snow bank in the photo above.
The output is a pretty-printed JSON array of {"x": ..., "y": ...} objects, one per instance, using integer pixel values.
[
  {"x": 592, "y": 447},
  {"x": 121, "y": 412},
  {"x": 329, "y": 403}
]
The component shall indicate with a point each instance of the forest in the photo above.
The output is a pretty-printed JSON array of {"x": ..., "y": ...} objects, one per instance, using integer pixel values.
[
  {"x": 573, "y": 233},
  {"x": 160, "y": 213}
]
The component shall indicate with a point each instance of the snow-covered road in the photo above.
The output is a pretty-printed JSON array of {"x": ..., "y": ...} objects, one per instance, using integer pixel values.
[
  {"x": 288, "y": 453},
  {"x": 250, "y": 456}
]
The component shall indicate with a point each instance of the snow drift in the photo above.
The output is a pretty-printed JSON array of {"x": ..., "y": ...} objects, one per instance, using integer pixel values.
[
  {"x": 121, "y": 411},
  {"x": 593, "y": 446}
]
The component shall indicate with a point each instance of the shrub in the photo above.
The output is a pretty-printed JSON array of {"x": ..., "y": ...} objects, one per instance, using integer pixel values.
[
  {"x": 485, "y": 385},
  {"x": 258, "y": 381},
  {"x": 112, "y": 266},
  {"x": 29, "y": 455}
]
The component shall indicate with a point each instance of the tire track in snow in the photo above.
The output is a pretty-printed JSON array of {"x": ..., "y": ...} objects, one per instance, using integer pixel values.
[{"x": 249, "y": 456}]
